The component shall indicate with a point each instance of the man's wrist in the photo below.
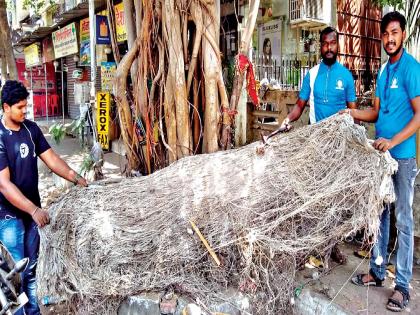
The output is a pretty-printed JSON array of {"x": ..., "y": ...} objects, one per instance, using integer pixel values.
[
  {"x": 76, "y": 178},
  {"x": 34, "y": 211}
]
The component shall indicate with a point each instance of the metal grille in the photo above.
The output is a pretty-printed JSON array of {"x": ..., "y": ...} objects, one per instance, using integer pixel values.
[
  {"x": 305, "y": 9},
  {"x": 295, "y": 9}
]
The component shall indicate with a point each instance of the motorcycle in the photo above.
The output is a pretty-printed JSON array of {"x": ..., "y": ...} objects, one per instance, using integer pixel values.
[{"x": 10, "y": 281}]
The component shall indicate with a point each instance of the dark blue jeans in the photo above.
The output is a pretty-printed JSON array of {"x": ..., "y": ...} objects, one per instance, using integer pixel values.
[
  {"x": 21, "y": 238},
  {"x": 404, "y": 191}
]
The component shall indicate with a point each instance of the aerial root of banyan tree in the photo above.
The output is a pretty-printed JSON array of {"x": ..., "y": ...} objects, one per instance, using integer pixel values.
[{"x": 261, "y": 214}]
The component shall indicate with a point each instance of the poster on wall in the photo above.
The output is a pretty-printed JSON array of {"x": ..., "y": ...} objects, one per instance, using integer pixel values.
[
  {"x": 120, "y": 22},
  {"x": 65, "y": 41},
  {"x": 47, "y": 50},
  {"x": 108, "y": 70},
  {"x": 270, "y": 41},
  {"x": 102, "y": 30},
  {"x": 84, "y": 43}
]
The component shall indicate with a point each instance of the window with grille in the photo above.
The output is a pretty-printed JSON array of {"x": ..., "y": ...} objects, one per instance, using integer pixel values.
[{"x": 305, "y": 9}]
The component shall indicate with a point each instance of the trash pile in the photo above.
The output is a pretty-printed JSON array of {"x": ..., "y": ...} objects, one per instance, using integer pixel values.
[{"x": 231, "y": 219}]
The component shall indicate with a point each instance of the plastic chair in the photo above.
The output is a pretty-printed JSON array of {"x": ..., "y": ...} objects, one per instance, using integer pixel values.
[{"x": 53, "y": 104}]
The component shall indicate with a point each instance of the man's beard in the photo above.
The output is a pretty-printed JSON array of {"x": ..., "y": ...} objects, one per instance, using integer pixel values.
[
  {"x": 329, "y": 61},
  {"x": 394, "y": 53}
]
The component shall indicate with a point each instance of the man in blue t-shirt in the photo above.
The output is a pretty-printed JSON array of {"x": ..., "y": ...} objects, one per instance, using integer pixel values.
[
  {"x": 21, "y": 142},
  {"x": 396, "y": 111},
  {"x": 328, "y": 87}
]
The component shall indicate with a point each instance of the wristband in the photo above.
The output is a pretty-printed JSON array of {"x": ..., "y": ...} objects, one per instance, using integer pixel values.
[{"x": 33, "y": 213}]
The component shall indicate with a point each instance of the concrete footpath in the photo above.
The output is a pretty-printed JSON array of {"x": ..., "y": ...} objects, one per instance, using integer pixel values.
[{"x": 332, "y": 293}]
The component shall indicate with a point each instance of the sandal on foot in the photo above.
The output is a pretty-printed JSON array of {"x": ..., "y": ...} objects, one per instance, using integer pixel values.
[
  {"x": 395, "y": 304},
  {"x": 358, "y": 280}
]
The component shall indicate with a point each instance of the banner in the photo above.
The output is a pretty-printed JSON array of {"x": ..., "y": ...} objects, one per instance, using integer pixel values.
[
  {"x": 84, "y": 43},
  {"x": 102, "y": 30},
  {"x": 108, "y": 70},
  {"x": 120, "y": 22},
  {"x": 103, "y": 105},
  {"x": 32, "y": 55},
  {"x": 270, "y": 41},
  {"x": 65, "y": 41}
]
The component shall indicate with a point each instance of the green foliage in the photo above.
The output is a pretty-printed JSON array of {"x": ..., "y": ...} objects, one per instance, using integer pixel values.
[
  {"x": 77, "y": 128},
  {"x": 57, "y": 132},
  {"x": 87, "y": 164},
  {"x": 399, "y": 4},
  {"x": 293, "y": 77},
  {"x": 37, "y": 5}
]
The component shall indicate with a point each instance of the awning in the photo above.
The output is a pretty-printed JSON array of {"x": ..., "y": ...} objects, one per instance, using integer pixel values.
[{"x": 36, "y": 33}]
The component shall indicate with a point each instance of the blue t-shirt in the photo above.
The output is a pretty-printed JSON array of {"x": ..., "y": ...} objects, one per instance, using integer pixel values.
[
  {"x": 333, "y": 88},
  {"x": 397, "y": 84},
  {"x": 18, "y": 152}
]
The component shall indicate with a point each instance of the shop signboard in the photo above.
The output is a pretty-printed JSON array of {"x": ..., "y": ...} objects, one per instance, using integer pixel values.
[
  {"x": 32, "y": 55},
  {"x": 120, "y": 22},
  {"x": 65, "y": 41},
  {"x": 102, "y": 116},
  {"x": 102, "y": 30},
  {"x": 84, "y": 43}
]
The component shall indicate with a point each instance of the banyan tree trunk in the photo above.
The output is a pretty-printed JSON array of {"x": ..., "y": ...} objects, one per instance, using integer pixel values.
[
  {"x": 176, "y": 76},
  {"x": 6, "y": 42},
  {"x": 311, "y": 188}
]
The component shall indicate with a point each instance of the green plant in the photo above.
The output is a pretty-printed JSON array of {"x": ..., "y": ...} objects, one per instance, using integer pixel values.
[
  {"x": 87, "y": 164},
  {"x": 57, "y": 132},
  {"x": 77, "y": 128}
]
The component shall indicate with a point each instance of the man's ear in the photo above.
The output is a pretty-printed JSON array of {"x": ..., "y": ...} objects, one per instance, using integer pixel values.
[
  {"x": 6, "y": 107},
  {"x": 404, "y": 35}
]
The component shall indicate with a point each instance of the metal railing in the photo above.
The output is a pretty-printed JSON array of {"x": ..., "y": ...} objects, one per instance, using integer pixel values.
[{"x": 289, "y": 74}]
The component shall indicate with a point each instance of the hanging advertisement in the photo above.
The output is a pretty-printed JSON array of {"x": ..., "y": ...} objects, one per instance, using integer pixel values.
[
  {"x": 108, "y": 70},
  {"x": 102, "y": 30},
  {"x": 270, "y": 41},
  {"x": 65, "y": 41},
  {"x": 120, "y": 22},
  {"x": 102, "y": 116},
  {"x": 84, "y": 43},
  {"x": 47, "y": 50},
  {"x": 32, "y": 55}
]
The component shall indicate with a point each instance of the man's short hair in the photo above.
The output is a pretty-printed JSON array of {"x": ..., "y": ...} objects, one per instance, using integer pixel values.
[
  {"x": 13, "y": 92},
  {"x": 391, "y": 17},
  {"x": 327, "y": 31}
]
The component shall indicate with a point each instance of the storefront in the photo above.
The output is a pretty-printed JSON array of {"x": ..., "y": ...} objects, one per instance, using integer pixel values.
[{"x": 38, "y": 75}]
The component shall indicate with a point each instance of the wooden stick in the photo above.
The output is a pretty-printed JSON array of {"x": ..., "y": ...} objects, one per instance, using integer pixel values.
[{"x": 206, "y": 244}]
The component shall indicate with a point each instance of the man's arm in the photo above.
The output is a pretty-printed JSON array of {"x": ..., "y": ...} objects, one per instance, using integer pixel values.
[
  {"x": 297, "y": 110},
  {"x": 17, "y": 199},
  {"x": 368, "y": 115},
  {"x": 413, "y": 125},
  {"x": 61, "y": 168},
  {"x": 352, "y": 105}
]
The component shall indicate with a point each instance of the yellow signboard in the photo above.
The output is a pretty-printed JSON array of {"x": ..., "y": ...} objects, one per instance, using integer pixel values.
[
  {"x": 103, "y": 102},
  {"x": 32, "y": 55},
  {"x": 120, "y": 22}
]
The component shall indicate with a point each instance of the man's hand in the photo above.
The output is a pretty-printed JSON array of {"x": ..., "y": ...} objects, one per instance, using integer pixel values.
[
  {"x": 346, "y": 111},
  {"x": 286, "y": 124},
  {"x": 383, "y": 144},
  {"x": 79, "y": 180},
  {"x": 40, "y": 217}
]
